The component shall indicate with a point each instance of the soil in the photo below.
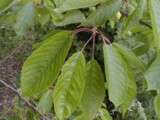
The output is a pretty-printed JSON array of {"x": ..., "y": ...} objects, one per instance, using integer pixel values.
[{"x": 9, "y": 72}]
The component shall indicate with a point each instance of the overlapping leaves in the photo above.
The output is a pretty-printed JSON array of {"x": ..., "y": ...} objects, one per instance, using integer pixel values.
[
  {"x": 94, "y": 91},
  {"x": 70, "y": 86}
]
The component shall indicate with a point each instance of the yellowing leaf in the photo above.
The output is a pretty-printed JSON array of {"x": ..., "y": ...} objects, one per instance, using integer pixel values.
[
  {"x": 70, "y": 86},
  {"x": 41, "y": 69}
]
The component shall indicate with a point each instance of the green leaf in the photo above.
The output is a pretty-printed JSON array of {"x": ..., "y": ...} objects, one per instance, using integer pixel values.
[
  {"x": 94, "y": 92},
  {"x": 104, "y": 114},
  {"x": 40, "y": 70},
  {"x": 103, "y": 13},
  {"x": 152, "y": 74},
  {"x": 25, "y": 18},
  {"x": 157, "y": 105},
  {"x": 58, "y": 2},
  {"x": 70, "y": 86},
  {"x": 133, "y": 20},
  {"x": 45, "y": 104},
  {"x": 77, "y": 4},
  {"x": 4, "y": 4},
  {"x": 131, "y": 59},
  {"x": 42, "y": 15},
  {"x": 121, "y": 83},
  {"x": 71, "y": 17},
  {"x": 155, "y": 17}
]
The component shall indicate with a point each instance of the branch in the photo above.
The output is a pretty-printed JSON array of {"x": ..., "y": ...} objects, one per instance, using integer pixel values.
[
  {"x": 145, "y": 23},
  {"x": 86, "y": 43},
  {"x": 29, "y": 104},
  {"x": 9, "y": 6}
]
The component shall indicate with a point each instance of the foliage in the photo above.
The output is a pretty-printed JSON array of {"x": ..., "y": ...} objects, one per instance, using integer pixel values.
[{"x": 113, "y": 76}]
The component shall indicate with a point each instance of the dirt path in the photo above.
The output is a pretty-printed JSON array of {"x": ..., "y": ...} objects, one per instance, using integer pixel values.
[{"x": 8, "y": 72}]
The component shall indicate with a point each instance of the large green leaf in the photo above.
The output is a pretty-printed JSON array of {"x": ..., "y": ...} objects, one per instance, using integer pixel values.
[
  {"x": 42, "y": 67},
  {"x": 76, "y": 4},
  {"x": 155, "y": 17},
  {"x": 131, "y": 59},
  {"x": 103, "y": 13},
  {"x": 45, "y": 104},
  {"x": 94, "y": 92},
  {"x": 121, "y": 84},
  {"x": 25, "y": 18},
  {"x": 70, "y": 86},
  {"x": 104, "y": 114},
  {"x": 157, "y": 105},
  {"x": 153, "y": 74},
  {"x": 71, "y": 17}
]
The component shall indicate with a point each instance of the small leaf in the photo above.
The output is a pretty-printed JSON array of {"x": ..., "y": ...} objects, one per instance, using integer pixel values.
[
  {"x": 77, "y": 4},
  {"x": 70, "y": 18},
  {"x": 40, "y": 70},
  {"x": 94, "y": 92},
  {"x": 104, "y": 114},
  {"x": 103, "y": 13},
  {"x": 25, "y": 18},
  {"x": 152, "y": 75},
  {"x": 70, "y": 86},
  {"x": 155, "y": 17},
  {"x": 45, "y": 103},
  {"x": 157, "y": 106},
  {"x": 121, "y": 83}
]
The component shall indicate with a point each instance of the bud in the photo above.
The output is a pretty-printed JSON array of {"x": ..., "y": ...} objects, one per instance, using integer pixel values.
[{"x": 119, "y": 15}]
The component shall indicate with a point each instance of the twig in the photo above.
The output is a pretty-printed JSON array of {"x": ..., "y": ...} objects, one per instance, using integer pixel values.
[
  {"x": 86, "y": 43},
  {"x": 29, "y": 104},
  {"x": 9, "y": 6},
  {"x": 145, "y": 23},
  {"x": 94, "y": 32},
  {"x": 12, "y": 53},
  {"x": 94, "y": 39},
  {"x": 104, "y": 38},
  {"x": 83, "y": 30}
]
